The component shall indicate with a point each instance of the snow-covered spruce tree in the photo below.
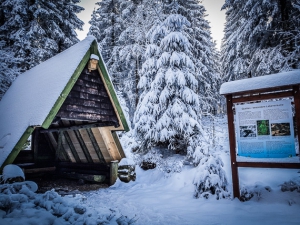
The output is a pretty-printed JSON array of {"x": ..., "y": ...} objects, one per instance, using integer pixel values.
[
  {"x": 120, "y": 27},
  {"x": 260, "y": 38},
  {"x": 167, "y": 114},
  {"x": 210, "y": 178},
  {"x": 281, "y": 44},
  {"x": 7, "y": 74},
  {"x": 235, "y": 50},
  {"x": 137, "y": 17},
  {"x": 106, "y": 27},
  {"x": 37, "y": 30},
  {"x": 131, "y": 48},
  {"x": 205, "y": 55}
]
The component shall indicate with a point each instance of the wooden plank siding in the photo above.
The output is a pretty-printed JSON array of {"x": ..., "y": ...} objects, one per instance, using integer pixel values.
[
  {"x": 99, "y": 139},
  {"x": 81, "y": 145},
  {"x": 53, "y": 112},
  {"x": 88, "y": 100},
  {"x": 110, "y": 143}
]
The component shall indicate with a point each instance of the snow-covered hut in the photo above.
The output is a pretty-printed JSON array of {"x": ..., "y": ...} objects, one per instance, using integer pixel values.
[{"x": 70, "y": 112}]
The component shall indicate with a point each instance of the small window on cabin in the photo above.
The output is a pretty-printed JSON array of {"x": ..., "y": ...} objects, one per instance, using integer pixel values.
[{"x": 27, "y": 144}]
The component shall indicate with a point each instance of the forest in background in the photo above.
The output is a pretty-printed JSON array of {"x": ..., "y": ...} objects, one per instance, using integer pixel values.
[{"x": 162, "y": 60}]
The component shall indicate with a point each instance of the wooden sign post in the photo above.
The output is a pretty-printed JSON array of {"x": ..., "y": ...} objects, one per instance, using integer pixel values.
[{"x": 262, "y": 89}]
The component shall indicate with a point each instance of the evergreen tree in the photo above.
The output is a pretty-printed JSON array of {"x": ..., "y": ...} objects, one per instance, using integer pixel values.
[
  {"x": 106, "y": 26},
  {"x": 205, "y": 55},
  {"x": 120, "y": 27},
  {"x": 7, "y": 74},
  {"x": 260, "y": 37},
  {"x": 37, "y": 30},
  {"x": 168, "y": 112}
]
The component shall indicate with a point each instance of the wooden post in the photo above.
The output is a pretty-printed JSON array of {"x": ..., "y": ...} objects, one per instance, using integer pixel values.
[
  {"x": 297, "y": 112},
  {"x": 35, "y": 142},
  {"x": 113, "y": 173},
  {"x": 231, "y": 132}
]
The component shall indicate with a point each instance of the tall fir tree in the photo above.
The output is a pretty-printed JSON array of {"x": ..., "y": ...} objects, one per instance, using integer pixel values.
[
  {"x": 37, "y": 30},
  {"x": 120, "y": 27},
  {"x": 106, "y": 26},
  {"x": 168, "y": 112},
  {"x": 205, "y": 54},
  {"x": 8, "y": 68},
  {"x": 260, "y": 38}
]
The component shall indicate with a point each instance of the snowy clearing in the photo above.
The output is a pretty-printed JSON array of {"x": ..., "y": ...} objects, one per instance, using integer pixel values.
[
  {"x": 153, "y": 199},
  {"x": 158, "y": 198}
]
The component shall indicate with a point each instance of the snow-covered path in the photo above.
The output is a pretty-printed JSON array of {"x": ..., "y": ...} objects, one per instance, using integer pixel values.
[{"x": 153, "y": 200}]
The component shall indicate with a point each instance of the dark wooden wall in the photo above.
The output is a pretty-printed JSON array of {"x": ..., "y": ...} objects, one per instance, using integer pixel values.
[{"x": 88, "y": 100}]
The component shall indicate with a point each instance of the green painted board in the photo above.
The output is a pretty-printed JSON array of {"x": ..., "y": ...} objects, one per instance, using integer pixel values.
[
  {"x": 110, "y": 87},
  {"x": 18, "y": 147}
]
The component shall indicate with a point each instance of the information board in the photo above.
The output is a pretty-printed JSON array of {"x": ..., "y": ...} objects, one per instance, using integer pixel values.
[{"x": 265, "y": 129}]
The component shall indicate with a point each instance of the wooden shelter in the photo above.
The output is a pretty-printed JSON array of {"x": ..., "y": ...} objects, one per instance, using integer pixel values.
[
  {"x": 69, "y": 112},
  {"x": 253, "y": 90}
]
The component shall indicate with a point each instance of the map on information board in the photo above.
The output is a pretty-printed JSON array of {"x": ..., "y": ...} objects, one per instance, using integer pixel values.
[{"x": 265, "y": 129}]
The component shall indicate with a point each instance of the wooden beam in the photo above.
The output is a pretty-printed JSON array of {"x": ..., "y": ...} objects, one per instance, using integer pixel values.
[
  {"x": 118, "y": 144},
  {"x": 99, "y": 139},
  {"x": 262, "y": 90},
  {"x": 83, "y": 146},
  {"x": 269, "y": 165},
  {"x": 261, "y": 97},
  {"x": 53, "y": 143},
  {"x": 18, "y": 147},
  {"x": 72, "y": 147},
  {"x": 39, "y": 170},
  {"x": 231, "y": 132},
  {"x": 77, "y": 127},
  {"x": 110, "y": 143},
  {"x": 297, "y": 111},
  {"x": 35, "y": 144},
  {"x": 59, "y": 146},
  {"x": 84, "y": 166},
  {"x": 113, "y": 175},
  {"x": 95, "y": 145}
]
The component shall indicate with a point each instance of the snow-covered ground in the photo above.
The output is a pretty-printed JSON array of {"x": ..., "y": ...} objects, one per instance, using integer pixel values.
[
  {"x": 159, "y": 198},
  {"x": 153, "y": 199}
]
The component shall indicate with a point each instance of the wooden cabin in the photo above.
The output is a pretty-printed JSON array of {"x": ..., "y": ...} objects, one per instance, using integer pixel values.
[{"x": 68, "y": 112}]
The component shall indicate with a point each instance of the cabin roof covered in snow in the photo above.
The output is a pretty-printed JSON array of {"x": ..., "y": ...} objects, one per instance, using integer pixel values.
[
  {"x": 30, "y": 100},
  {"x": 259, "y": 83}
]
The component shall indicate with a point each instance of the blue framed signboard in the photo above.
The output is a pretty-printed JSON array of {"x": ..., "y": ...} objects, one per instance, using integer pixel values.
[{"x": 265, "y": 129}]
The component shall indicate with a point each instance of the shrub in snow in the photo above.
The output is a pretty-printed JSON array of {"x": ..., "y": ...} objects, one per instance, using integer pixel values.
[
  {"x": 210, "y": 178},
  {"x": 247, "y": 193},
  {"x": 290, "y": 186}
]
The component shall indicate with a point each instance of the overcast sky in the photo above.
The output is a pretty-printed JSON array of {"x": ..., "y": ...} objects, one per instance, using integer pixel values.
[{"x": 216, "y": 17}]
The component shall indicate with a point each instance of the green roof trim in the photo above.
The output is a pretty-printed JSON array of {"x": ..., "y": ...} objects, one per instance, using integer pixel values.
[
  {"x": 18, "y": 147},
  {"x": 110, "y": 87},
  {"x": 62, "y": 97}
]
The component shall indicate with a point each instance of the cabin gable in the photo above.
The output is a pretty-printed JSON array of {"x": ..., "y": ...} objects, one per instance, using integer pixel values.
[{"x": 89, "y": 101}]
